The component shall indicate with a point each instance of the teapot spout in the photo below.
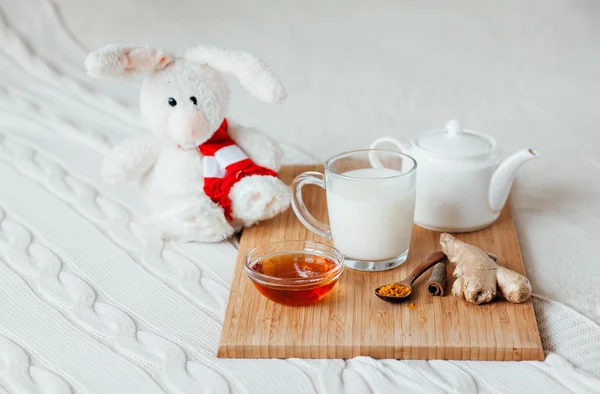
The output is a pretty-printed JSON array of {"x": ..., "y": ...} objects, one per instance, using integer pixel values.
[{"x": 504, "y": 176}]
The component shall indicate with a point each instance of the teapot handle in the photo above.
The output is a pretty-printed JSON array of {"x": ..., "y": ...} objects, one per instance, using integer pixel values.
[
  {"x": 375, "y": 163},
  {"x": 390, "y": 140}
]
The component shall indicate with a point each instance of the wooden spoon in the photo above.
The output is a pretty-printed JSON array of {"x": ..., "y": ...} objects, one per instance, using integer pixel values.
[{"x": 431, "y": 260}]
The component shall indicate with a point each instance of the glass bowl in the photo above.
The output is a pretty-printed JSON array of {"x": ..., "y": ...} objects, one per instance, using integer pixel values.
[{"x": 294, "y": 272}]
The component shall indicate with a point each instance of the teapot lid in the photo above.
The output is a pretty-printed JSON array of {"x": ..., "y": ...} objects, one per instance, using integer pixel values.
[{"x": 454, "y": 141}]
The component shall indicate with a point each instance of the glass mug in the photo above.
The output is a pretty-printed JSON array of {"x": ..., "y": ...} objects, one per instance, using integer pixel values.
[{"x": 370, "y": 203}]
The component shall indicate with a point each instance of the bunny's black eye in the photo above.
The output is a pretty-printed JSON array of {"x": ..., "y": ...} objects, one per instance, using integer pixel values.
[
  {"x": 193, "y": 100},
  {"x": 172, "y": 102}
]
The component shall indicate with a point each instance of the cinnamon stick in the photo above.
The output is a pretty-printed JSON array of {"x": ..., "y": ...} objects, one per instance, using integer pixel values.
[{"x": 437, "y": 282}]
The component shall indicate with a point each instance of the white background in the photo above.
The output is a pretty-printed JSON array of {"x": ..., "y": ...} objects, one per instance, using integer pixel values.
[{"x": 524, "y": 71}]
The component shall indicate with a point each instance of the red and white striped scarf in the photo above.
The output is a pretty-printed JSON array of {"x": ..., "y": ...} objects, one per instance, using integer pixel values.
[{"x": 224, "y": 164}]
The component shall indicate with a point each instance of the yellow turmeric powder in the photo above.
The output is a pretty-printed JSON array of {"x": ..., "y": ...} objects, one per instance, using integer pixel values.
[{"x": 394, "y": 290}]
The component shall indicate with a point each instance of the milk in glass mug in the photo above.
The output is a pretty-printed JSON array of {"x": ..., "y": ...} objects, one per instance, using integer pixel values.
[{"x": 371, "y": 205}]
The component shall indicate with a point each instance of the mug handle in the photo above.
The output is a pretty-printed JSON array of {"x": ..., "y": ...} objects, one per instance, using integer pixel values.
[
  {"x": 307, "y": 219},
  {"x": 375, "y": 163}
]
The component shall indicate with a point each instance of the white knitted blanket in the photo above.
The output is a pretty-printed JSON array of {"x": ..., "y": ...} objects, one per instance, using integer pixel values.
[{"x": 92, "y": 302}]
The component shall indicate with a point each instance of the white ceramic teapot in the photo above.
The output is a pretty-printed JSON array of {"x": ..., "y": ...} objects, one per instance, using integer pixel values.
[{"x": 462, "y": 184}]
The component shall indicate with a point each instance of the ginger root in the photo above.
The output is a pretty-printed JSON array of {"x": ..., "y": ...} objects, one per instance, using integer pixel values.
[{"x": 477, "y": 275}]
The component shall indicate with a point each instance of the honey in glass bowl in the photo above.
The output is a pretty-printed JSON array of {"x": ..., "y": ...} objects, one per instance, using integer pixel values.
[{"x": 294, "y": 272}]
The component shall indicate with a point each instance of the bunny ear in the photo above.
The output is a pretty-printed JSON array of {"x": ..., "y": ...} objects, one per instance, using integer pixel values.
[
  {"x": 115, "y": 61},
  {"x": 250, "y": 71}
]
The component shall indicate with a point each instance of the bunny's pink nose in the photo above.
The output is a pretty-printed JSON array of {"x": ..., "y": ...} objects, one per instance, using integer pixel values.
[{"x": 188, "y": 124}]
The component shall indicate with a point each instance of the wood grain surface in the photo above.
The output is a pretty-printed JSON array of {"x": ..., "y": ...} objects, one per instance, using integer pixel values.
[{"x": 351, "y": 321}]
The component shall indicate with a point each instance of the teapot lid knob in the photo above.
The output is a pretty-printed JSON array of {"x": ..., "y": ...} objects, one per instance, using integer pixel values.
[
  {"x": 454, "y": 141},
  {"x": 453, "y": 127}
]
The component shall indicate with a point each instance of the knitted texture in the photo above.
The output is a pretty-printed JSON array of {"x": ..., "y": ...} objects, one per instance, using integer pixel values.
[{"x": 91, "y": 301}]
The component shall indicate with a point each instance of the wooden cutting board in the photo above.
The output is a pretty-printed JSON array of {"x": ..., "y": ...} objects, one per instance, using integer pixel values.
[{"x": 351, "y": 321}]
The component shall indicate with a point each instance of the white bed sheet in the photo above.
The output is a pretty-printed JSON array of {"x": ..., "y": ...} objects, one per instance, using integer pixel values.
[
  {"x": 527, "y": 72},
  {"x": 92, "y": 302}
]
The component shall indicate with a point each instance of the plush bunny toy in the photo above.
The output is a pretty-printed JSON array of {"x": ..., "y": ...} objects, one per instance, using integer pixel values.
[{"x": 201, "y": 175}]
